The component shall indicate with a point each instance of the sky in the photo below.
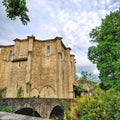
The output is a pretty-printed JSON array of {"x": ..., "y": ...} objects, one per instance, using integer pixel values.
[{"x": 72, "y": 20}]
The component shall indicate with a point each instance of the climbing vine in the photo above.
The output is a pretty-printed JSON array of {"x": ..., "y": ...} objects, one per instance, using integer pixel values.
[
  {"x": 3, "y": 92},
  {"x": 20, "y": 92},
  {"x": 67, "y": 111}
]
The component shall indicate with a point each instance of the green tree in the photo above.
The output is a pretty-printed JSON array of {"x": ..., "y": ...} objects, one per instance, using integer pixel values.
[
  {"x": 84, "y": 75},
  {"x": 89, "y": 76},
  {"x": 106, "y": 52},
  {"x": 16, "y": 8},
  {"x": 103, "y": 105}
]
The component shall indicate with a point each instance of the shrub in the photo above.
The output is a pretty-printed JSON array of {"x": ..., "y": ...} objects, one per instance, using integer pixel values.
[
  {"x": 5, "y": 109},
  {"x": 103, "y": 105}
]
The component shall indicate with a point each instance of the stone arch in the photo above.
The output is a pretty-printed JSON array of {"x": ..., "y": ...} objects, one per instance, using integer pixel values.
[
  {"x": 57, "y": 113},
  {"x": 47, "y": 91},
  {"x": 28, "y": 111},
  {"x": 34, "y": 92}
]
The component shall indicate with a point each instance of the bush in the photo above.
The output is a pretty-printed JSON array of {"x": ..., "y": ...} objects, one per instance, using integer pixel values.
[
  {"x": 5, "y": 109},
  {"x": 103, "y": 105}
]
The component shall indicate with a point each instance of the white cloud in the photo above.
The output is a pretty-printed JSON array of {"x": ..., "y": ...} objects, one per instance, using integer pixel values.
[
  {"x": 71, "y": 19},
  {"x": 82, "y": 61},
  {"x": 75, "y": 1}
]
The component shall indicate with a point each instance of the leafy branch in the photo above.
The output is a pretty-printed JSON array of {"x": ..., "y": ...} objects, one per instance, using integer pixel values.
[{"x": 16, "y": 8}]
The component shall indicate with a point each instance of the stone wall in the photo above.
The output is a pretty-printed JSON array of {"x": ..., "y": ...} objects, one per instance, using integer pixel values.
[
  {"x": 5, "y": 65},
  {"x": 42, "y": 68},
  {"x": 43, "y": 106},
  {"x": 43, "y": 77}
]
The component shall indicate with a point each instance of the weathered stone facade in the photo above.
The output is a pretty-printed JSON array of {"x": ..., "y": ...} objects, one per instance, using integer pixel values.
[{"x": 42, "y": 68}]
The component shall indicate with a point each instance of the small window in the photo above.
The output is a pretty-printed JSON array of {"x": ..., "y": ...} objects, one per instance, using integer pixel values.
[
  {"x": 10, "y": 55},
  {"x": 0, "y": 50},
  {"x": 48, "y": 50}
]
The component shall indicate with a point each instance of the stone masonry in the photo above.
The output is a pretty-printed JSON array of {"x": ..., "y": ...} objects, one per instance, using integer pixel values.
[
  {"x": 11, "y": 116},
  {"x": 43, "y": 106},
  {"x": 41, "y": 68}
]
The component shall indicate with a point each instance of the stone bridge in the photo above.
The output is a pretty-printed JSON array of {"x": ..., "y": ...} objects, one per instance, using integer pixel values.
[{"x": 40, "y": 107}]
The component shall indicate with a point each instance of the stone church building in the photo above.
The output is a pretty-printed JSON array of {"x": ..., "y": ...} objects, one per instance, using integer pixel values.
[{"x": 41, "y": 68}]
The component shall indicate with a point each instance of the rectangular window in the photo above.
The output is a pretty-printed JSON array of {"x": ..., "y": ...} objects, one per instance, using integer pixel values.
[
  {"x": 0, "y": 50},
  {"x": 48, "y": 50},
  {"x": 10, "y": 55}
]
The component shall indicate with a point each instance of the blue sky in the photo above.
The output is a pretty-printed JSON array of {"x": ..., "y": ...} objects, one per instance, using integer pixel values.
[{"x": 71, "y": 19}]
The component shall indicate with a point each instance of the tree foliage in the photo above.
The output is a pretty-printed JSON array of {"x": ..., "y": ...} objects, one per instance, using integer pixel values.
[
  {"x": 84, "y": 75},
  {"x": 103, "y": 105},
  {"x": 106, "y": 52},
  {"x": 78, "y": 89},
  {"x": 89, "y": 76},
  {"x": 16, "y": 8}
]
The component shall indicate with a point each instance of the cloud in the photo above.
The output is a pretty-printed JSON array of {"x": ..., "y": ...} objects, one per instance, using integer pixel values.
[{"x": 72, "y": 19}]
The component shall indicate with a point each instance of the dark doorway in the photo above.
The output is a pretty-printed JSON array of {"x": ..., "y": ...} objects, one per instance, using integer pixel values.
[
  {"x": 28, "y": 111},
  {"x": 57, "y": 113}
]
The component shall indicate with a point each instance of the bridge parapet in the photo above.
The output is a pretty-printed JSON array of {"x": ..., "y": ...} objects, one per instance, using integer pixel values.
[{"x": 43, "y": 106}]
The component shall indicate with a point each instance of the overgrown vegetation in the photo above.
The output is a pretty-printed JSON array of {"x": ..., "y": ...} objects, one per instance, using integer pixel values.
[
  {"x": 3, "y": 92},
  {"x": 103, "y": 105},
  {"x": 78, "y": 89},
  {"x": 82, "y": 85},
  {"x": 5, "y": 109},
  {"x": 67, "y": 112},
  {"x": 20, "y": 92}
]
